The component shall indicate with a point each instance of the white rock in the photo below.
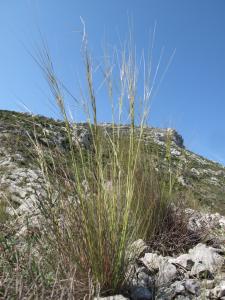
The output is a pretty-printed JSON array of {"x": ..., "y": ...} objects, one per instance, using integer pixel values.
[
  {"x": 207, "y": 256},
  {"x": 167, "y": 272},
  {"x": 192, "y": 286},
  {"x": 195, "y": 172},
  {"x": 153, "y": 261},
  {"x": 183, "y": 260},
  {"x": 175, "y": 152}
]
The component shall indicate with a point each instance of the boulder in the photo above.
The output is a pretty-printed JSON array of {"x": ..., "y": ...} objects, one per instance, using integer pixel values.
[{"x": 210, "y": 257}]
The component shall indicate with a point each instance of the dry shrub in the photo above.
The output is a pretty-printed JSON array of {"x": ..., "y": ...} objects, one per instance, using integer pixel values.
[{"x": 174, "y": 235}]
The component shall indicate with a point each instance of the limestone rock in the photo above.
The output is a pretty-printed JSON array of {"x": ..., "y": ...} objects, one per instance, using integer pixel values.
[
  {"x": 192, "y": 286},
  {"x": 208, "y": 256}
]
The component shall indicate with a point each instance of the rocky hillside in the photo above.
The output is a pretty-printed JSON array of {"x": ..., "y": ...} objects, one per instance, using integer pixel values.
[
  {"x": 21, "y": 181},
  {"x": 196, "y": 272}
]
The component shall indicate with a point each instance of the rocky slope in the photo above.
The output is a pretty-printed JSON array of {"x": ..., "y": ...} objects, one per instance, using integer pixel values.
[
  {"x": 197, "y": 274},
  {"x": 21, "y": 181}
]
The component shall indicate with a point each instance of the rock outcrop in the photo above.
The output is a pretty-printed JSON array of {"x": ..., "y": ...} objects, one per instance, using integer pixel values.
[{"x": 197, "y": 274}]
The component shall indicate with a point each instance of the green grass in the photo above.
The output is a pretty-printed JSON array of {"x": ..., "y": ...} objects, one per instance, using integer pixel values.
[
  {"x": 106, "y": 198},
  {"x": 99, "y": 200}
]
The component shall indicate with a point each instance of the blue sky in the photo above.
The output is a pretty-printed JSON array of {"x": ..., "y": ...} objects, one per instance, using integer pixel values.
[{"x": 191, "y": 97}]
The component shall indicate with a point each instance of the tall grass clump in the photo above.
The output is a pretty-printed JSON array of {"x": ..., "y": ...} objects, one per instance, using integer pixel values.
[{"x": 101, "y": 198}]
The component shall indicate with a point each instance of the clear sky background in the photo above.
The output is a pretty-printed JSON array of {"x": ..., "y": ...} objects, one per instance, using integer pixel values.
[{"x": 191, "y": 97}]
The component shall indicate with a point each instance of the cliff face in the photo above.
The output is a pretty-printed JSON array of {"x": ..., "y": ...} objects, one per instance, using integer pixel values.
[{"x": 21, "y": 181}]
